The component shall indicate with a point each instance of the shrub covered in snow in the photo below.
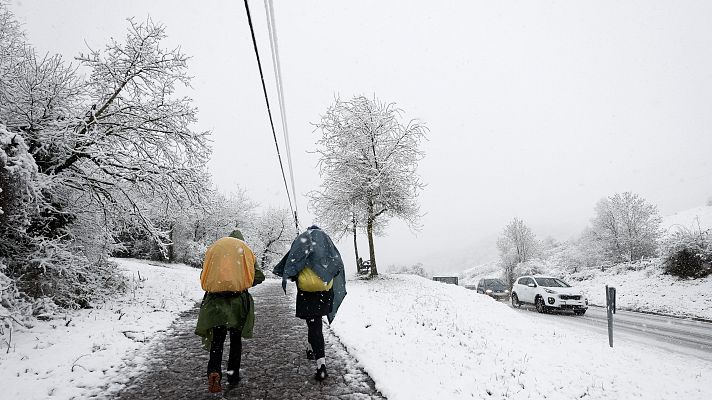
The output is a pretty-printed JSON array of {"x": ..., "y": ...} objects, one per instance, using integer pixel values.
[
  {"x": 83, "y": 157},
  {"x": 193, "y": 254},
  {"x": 415, "y": 269},
  {"x": 688, "y": 253}
]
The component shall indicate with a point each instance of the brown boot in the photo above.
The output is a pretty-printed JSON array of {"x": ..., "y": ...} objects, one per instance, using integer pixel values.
[{"x": 214, "y": 383}]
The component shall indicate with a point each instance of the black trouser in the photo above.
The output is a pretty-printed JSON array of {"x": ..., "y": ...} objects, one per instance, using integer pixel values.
[
  {"x": 316, "y": 336},
  {"x": 216, "y": 350}
]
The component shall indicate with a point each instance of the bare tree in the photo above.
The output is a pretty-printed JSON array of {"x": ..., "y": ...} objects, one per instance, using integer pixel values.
[
  {"x": 337, "y": 213},
  {"x": 627, "y": 226},
  {"x": 517, "y": 244},
  {"x": 13, "y": 44},
  {"x": 271, "y": 236},
  {"x": 369, "y": 160}
]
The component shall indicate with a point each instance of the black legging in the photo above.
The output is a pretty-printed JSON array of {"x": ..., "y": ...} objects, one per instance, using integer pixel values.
[
  {"x": 316, "y": 337},
  {"x": 216, "y": 350}
]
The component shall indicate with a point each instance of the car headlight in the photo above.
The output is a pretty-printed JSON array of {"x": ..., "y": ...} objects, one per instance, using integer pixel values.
[
  {"x": 506, "y": 291},
  {"x": 488, "y": 291},
  {"x": 550, "y": 291}
]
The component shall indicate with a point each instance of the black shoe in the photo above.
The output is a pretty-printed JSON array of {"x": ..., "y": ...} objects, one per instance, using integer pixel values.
[
  {"x": 310, "y": 355},
  {"x": 321, "y": 373},
  {"x": 234, "y": 378}
]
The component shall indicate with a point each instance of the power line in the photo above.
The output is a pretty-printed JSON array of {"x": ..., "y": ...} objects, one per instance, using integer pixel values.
[
  {"x": 269, "y": 111},
  {"x": 274, "y": 46}
]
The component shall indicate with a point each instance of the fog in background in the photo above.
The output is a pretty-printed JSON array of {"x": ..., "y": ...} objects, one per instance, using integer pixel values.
[{"x": 536, "y": 109}]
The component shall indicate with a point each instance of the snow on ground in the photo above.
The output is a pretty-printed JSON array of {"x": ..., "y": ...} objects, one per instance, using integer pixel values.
[
  {"x": 643, "y": 287},
  {"x": 420, "y": 339},
  {"x": 72, "y": 357}
]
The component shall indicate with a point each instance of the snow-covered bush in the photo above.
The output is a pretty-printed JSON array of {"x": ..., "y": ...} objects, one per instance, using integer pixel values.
[
  {"x": 14, "y": 306},
  {"x": 415, "y": 269},
  {"x": 83, "y": 157},
  {"x": 19, "y": 198},
  {"x": 61, "y": 273},
  {"x": 687, "y": 253},
  {"x": 193, "y": 253},
  {"x": 19, "y": 182},
  {"x": 531, "y": 267}
]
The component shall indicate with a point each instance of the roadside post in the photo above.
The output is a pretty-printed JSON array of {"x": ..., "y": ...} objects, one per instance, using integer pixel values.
[{"x": 610, "y": 310}]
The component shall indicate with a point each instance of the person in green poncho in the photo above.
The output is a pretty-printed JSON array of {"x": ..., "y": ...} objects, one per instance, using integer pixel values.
[{"x": 227, "y": 307}]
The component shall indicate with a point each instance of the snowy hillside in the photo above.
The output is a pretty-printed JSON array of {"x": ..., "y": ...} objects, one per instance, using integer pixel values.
[
  {"x": 477, "y": 260},
  {"x": 473, "y": 275},
  {"x": 690, "y": 219},
  {"x": 643, "y": 287},
  {"x": 452, "y": 261},
  {"x": 420, "y": 339}
]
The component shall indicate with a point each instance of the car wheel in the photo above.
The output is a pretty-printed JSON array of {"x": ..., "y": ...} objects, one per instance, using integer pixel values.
[
  {"x": 539, "y": 303},
  {"x": 515, "y": 301},
  {"x": 580, "y": 312}
]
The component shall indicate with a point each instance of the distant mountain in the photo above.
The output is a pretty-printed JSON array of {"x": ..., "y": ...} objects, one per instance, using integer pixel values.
[
  {"x": 472, "y": 275},
  {"x": 453, "y": 261}
]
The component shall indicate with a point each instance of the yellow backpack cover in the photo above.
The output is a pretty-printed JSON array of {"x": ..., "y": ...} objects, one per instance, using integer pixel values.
[
  {"x": 229, "y": 266},
  {"x": 309, "y": 281}
]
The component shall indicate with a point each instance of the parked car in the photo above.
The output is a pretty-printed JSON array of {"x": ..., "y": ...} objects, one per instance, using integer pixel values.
[
  {"x": 494, "y": 288},
  {"x": 546, "y": 293}
]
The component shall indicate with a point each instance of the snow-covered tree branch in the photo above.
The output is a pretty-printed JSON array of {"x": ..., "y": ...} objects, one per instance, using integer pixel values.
[{"x": 83, "y": 159}]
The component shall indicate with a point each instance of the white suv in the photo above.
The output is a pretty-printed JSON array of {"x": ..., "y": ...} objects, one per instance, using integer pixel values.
[{"x": 547, "y": 292}]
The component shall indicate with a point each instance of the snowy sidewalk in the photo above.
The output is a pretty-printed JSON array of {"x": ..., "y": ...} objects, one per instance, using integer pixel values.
[{"x": 274, "y": 364}]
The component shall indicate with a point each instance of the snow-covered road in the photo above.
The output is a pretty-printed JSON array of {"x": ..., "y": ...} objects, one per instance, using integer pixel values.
[{"x": 680, "y": 335}]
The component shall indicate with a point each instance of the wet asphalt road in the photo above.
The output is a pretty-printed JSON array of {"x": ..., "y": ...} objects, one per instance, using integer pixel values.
[{"x": 679, "y": 335}]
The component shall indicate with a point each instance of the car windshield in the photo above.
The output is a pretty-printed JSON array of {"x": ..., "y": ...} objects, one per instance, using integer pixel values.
[
  {"x": 495, "y": 284},
  {"x": 551, "y": 282}
]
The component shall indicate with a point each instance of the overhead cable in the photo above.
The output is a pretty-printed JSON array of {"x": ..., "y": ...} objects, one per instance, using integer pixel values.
[
  {"x": 269, "y": 111},
  {"x": 274, "y": 46}
]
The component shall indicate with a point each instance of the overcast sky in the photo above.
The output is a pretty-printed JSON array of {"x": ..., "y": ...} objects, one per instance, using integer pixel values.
[{"x": 536, "y": 109}]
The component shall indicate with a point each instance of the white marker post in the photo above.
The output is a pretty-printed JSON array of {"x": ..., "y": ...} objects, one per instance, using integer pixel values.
[{"x": 610, "y": 310}]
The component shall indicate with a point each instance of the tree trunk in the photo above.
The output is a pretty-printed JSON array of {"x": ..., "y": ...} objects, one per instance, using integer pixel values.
[
  {"x": 355, "y": 244},
  {"x": 371, "y": 250},
  {"x": 263, "y": 261},
  {"x": 172, "y": 246}
]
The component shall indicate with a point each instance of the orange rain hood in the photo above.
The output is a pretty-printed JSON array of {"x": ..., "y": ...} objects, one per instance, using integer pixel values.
[{"x": 229, "y": 266}]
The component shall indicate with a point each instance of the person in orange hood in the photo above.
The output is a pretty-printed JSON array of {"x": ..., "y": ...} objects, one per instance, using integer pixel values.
[{"x": 227, "y": 307}]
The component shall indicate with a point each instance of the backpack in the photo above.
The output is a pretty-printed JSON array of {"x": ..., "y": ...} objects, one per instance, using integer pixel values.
[
  {"x": 229, "y": 266},
  {"x": 309, "y": 281}
]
